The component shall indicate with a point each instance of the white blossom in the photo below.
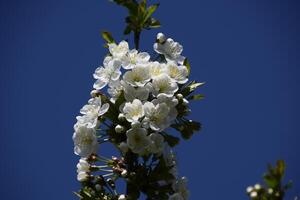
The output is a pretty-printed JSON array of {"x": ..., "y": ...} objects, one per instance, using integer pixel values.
[
  {"x": 85, "y": 141},
  {"x": 133, "y": 111},
  {"x": 156, "y": 116},
  {"x": 120, "y": 50},
  {"x": 115, "y": 89},
  {"x": 92, "y": 111},
  {"x": 178, "y": 73},
  {"x": 134, "y": 58},
  {"x": 163, "y": 84},
  {"x": 131, "y": 92},
  {"x": 138, "y": 76},
  {"x": 156, "y": 69},
  {"x": 170, "y": 49},
  {"x": 110, "y": 72},
  {"x": 137, "y": 140},
  {"x": 157, "y": 143}
]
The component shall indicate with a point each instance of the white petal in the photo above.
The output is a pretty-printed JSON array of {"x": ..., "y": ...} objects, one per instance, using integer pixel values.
[{"x": 104, "y": 109}]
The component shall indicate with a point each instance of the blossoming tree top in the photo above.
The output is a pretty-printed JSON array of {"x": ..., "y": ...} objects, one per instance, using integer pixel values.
[{"x": 136, "y": 102}]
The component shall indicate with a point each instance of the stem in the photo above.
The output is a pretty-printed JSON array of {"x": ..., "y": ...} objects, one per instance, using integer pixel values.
[{"x": 137, "y": 35}]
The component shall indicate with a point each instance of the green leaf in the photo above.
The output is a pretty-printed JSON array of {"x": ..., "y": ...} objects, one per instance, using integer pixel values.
[
  {"x": 171, "y": 140},
  {"x": 190, "y": 87},
  {"x": 187, "y": 64},
  {"x": 150, "y": 11},
  {"x": 280, "y": 168},
  {"x": 187, "y": 128},
  {"x": 196, "y": 97},
  {"x": 270, "y": 181},
  {"x": 107, "y": 37}
]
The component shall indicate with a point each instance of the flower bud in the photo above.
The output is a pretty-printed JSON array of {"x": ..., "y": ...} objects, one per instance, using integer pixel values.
[
  {"x": 257, "y": 186},
  {"x": 161, "y": 38},
  {"x": 135, "y": 124},
  {"x": 270, "y": 191},
  {"x": 249, "y": 189},
  {"x": 123, "y": 147},
  {"x": 119, "y": 128},
  {"x": 94, "y": 93},
  {"x": 82, "y": 176},
  {"x": 124, "y": 173},
  {"x": 121, "y": 117},
  {"x": 179, "y": 96},
  {"x": 253, "y": 194},
  {"x": 122, "y": 197}
]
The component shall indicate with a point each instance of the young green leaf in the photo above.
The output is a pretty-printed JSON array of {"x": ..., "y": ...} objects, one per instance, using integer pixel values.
[
  {"x": 187, "y": 64},
  {"x": 196, "y": 97},
  {"x": 150, "y": 11},
  {"x": 107, "y": 37},
  {"x": 171, "y": 140}
]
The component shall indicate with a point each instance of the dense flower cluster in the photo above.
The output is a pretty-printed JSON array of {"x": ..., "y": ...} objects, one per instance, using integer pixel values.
[{"x": 144, "y": 97}]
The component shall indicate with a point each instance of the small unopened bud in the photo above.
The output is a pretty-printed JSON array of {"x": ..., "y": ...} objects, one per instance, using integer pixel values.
[
  {"x": 253, "y": 194},
  {"x": 249, "y": 189},
  {"x": 123, "y": 147},
  {"x": 179, "y": 96},
  {"x": 161, "y": 38},
  {"x": 114, "y": 158},
  {"x": 119, "y": 128},
  {"x": 121, "y": 117},
  {"x": 270, "y": 190},
  {"x": 135, "y": 124},
  {"x": 257, "y": 186},
  {"x": 122, "y": 197},
  {"x": 124, "y": 173},
  {"x": 94, "y": 93}
]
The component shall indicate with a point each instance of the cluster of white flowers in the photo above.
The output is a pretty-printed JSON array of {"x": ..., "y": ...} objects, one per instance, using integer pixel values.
[
  {"x": 148, "y": 88},
  {"x": 84, "y": 137},
  {"x": 254, "y": 191},
  {"x": 148, "y": 91}
]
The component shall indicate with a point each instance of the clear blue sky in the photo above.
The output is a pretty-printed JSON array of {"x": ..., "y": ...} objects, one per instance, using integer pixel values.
[{"x": 246, "y": 51}]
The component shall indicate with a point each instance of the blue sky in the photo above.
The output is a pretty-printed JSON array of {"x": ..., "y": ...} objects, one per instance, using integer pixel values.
[{"x": 246, "y": 51}]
